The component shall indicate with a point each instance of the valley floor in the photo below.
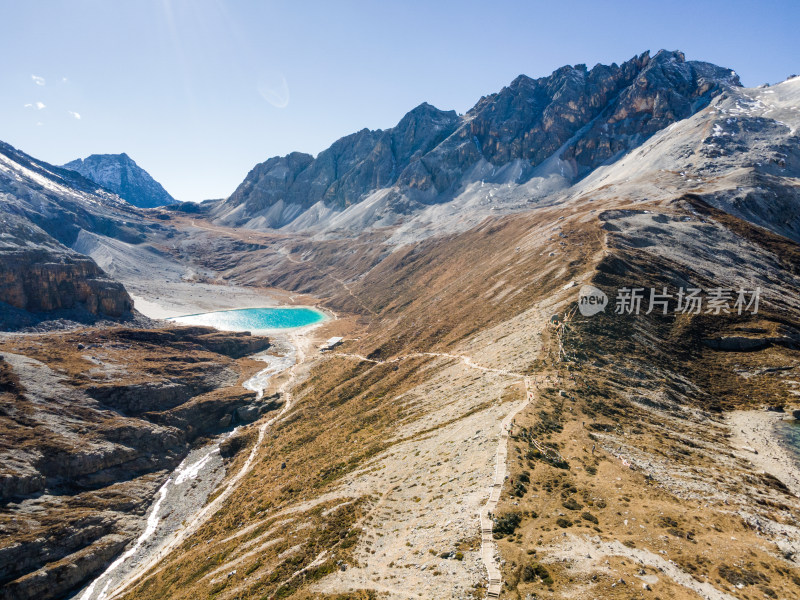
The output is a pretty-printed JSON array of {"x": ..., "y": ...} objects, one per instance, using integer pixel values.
[
  {"x": 163, "y": 301},
  {"x": 419, "y": 532},
  {"x": 614, "y": 482},
  {"x": 474, "y": 425}
]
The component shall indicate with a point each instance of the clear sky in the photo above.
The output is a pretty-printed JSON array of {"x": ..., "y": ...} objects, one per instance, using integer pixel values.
[{"x": 199, "y": 91}]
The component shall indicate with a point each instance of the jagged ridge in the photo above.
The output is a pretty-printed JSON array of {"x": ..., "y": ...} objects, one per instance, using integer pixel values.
[{"x": 586, "y": 116}]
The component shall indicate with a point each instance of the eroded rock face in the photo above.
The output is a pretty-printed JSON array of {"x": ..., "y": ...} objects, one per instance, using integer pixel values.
[
  {"x": 42, "y": 280},
  {"x": 606, "y": 110},
  {"x": 583, "y": 116},
  {"x": 664, "y": 89},
  {"x": 67, "y": 569},
  {"x": 342, "y": 174}
]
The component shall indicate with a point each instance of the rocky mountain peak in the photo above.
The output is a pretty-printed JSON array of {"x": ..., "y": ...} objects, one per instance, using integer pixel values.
[
  {"x": 426, "y": 113},
  {"x": 120, "y": 174},
  {"x": 585, "y": 116}
]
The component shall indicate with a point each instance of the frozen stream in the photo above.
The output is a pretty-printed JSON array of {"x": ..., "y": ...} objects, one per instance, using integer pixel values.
[{"x": 180, "y": 503}]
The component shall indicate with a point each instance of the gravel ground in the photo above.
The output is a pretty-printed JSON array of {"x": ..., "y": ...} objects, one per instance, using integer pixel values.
[{"x": 755, "y": 438}]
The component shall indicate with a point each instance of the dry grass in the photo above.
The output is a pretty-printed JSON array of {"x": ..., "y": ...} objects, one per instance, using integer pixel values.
[
  {"x": 343, "y": 418},
  {"x": 649, "y": 471}
]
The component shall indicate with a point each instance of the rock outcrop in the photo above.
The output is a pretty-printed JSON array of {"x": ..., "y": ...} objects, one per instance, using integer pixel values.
[
  {"x": 40, "y": 275},
  {"x": 42, "y": 281},
  {"x": 282, "y": 187},
  {"x": 90, "y": 422}
]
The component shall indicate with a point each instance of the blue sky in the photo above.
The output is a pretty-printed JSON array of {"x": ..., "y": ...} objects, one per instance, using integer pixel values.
[{"x": 199, "y": 91}]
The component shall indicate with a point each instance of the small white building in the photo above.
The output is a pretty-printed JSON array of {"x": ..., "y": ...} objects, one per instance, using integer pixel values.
[{"x": 330, "y": 344}]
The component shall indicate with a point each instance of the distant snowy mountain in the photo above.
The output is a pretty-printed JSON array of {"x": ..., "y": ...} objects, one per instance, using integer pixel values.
[
  {"x": 43, "y": 210},
  {"x": 121, "y": 175}
]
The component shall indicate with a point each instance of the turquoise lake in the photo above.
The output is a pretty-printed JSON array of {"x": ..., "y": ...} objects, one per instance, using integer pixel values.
[
  {"x": 790, "y": 435},
  {"x": 254, "y": 319}
]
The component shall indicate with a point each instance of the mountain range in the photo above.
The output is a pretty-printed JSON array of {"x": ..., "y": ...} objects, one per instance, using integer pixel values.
[{"x": 564, "y": 125}]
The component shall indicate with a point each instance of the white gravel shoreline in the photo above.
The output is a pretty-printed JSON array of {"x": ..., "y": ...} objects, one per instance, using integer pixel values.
[
  {"x": 755, "y": 439},
  {"x": 176, "y": 299}
]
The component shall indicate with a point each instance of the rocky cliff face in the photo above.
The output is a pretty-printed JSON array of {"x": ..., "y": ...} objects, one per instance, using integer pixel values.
[
  {"x": 42, "y": 281},
  {"x": 39, "y": 275},
  {"x": 594, "y": 114},
  {"x": 279, "y": 189},
  {"x": 121, "y": 175},
  {"x": 666, "y": 89},
  {"x": 43, "y": 210},
  {"x": 90, "y": 422},
  {"x": 582, "y": 116}
]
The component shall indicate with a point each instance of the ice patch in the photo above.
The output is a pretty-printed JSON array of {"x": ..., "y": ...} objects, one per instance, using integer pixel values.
[
  {"x": 191, "y": 472},
  {"x": 152, "y": 523}
]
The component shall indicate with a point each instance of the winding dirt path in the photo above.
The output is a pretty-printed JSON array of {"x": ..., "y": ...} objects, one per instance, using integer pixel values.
[
  {"x": 467, "y": 360},
  {"x": 489, "y": 554},
  {"x": 488, "y": 547}
]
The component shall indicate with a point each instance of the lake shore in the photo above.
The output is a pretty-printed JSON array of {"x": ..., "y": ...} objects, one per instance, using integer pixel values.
[
  {"x": 754, "y": 437},
  {"x": 259, "y": 320},
  {"x": 175, "y": 299}
]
